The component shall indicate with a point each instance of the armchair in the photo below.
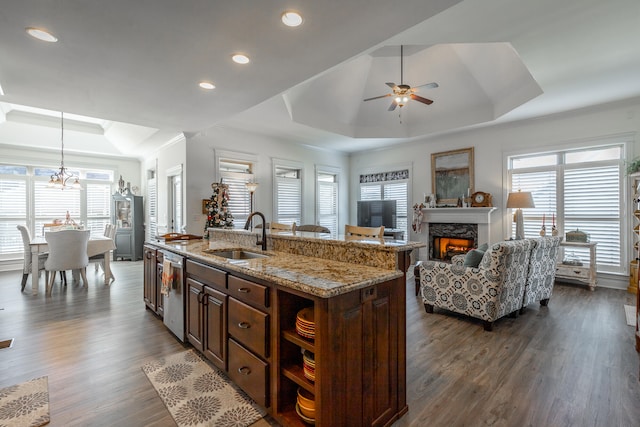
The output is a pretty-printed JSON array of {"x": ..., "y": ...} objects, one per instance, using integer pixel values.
[{"x": 492, "y": 290}]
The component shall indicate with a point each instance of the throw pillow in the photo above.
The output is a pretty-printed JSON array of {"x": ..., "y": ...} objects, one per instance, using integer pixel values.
[
  {"x": 473, "y": 258},
  {"x": 483, "y": 247}
]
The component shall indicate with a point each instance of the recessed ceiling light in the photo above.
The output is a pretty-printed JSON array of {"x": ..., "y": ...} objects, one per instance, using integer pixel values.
[
  {"x": 240, "y": 58},
  {"x": 41, "y": 34},
  {"x": 207, "y": 85},
  {"x": 291, "y": 18}
]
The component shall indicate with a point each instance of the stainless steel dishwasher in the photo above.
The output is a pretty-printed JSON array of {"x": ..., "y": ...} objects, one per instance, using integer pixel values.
[{"x": 173, "y": 298}]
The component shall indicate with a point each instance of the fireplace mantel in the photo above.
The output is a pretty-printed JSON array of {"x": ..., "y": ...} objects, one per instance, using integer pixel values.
[
  {"x": 480, "y": 216},
  {"x": 458, "y": 215}
]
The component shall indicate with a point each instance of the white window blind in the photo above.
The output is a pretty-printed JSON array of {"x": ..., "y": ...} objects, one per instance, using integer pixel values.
[
  {"x": 13, "y": 212},
  {"x": 327, "y": 201},
  {"x": 582, "y": 189},
  {"x": 288, "y": 195},
  {"x": 98, "y": 207},
  {"x": 152, "y": 205},
  {"x": 236, "y": 174},
  {"x": 53, "y": 203}
]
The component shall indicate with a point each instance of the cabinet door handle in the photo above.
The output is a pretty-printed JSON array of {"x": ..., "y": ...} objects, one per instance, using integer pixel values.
[
  {"x": 244, "y": 325},
  {"x": 244, "y": 290},
  {"x": 200, "y": 296},
  {"x": 244, "y": 370}
]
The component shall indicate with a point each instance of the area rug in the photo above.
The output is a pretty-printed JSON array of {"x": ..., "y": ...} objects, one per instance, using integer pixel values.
[
  {"x": 197, "y": 394},
  {"x": 630, "y": 314},
  {"x": 25, "y": 404}
]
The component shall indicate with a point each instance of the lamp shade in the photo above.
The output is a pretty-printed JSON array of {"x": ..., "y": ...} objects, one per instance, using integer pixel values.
[
  {"x": 251, "y": 186},
  {"x": 520, "y": 200}
]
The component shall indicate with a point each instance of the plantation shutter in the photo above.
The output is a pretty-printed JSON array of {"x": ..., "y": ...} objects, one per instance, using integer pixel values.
[
  {"x": 327, "y": 207},
  {"x": 13, "y": 212},
  {"x": 53, "y": 203},
  {"x": 98, "y": 207},
  {"x": 152, "y": 207},
  {"x": 288, "y": 196}
]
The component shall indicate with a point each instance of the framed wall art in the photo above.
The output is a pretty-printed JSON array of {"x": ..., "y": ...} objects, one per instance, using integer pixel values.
[{"x": 452, "y": 175}]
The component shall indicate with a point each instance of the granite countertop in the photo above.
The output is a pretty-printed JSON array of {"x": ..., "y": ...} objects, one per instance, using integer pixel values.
[{"x": 316, "y": 276}]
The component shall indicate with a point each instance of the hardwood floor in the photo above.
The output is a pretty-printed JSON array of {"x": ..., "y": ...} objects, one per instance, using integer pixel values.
[{"x": 570, "y": 364}]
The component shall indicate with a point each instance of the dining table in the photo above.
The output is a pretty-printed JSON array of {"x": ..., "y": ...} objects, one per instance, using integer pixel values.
[{"x": 95, "y": 246}]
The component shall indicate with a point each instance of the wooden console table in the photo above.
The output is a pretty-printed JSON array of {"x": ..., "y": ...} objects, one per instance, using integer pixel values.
[{"x": 585, "y": 273}]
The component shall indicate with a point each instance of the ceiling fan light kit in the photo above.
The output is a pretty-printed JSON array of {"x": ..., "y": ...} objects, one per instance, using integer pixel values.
[{"x": 402, "y": 93}]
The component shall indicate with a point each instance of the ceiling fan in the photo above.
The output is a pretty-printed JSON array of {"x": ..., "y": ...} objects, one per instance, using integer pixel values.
[{"x": 402, "y": 92}]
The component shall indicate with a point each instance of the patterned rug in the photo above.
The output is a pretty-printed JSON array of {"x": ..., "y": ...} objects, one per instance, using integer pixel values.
[
  {"x": 630, "y": 314},
  {"x": 199, "y": 395},
  {"x": 25, "y": 404}
]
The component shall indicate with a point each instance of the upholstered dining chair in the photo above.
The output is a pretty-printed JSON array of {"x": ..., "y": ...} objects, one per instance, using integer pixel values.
[
  {"x": 28, "y": 258},
  {"x": 110, "y": 232},
  {"x": 67, "y": 251},
  {"x": 364, "y": 232}
]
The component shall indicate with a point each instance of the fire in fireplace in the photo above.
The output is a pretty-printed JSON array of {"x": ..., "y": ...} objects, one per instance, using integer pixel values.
[
  {"x": 447, "y": 240},
  {"x": 446, "y": 247}
]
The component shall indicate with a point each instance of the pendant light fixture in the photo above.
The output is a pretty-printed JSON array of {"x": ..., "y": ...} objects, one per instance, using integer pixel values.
[{"x": 61, "y": 178}]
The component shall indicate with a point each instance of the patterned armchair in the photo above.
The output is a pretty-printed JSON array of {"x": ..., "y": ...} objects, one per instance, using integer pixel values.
[
  {"x": 542, "y": 271},
  {"x": 489, "y": 292}
]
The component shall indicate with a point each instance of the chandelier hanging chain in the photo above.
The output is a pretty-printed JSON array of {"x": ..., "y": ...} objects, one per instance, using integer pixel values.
[{"x": 60, "y": 178}]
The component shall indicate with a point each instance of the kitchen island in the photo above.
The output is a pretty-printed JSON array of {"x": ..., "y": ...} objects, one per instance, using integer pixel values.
[{"x": 242, "y": 315}]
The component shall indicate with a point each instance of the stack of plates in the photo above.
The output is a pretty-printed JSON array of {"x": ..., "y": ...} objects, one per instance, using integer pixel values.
[
  {"x": 304, "y": 323},
  {"x": 306, "y": 406},
  {"x": 309, "y": 365}
]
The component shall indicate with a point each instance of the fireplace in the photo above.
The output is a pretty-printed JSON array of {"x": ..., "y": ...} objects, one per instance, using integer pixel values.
[
  {"x": 447, "y": 240},
  {"x": 471, "y": 224}
]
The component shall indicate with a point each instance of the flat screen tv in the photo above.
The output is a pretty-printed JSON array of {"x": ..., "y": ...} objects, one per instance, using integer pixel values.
[{"x": 374, "y": 213}]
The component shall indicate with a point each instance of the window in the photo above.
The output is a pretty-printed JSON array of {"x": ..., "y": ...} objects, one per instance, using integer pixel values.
[
  {"x": 577, "y": 189},
  {"x": 327, "y": 199},
  {"x": 236, "y": 173},
  {"x": 389, "y": 186},
  {"x": 26, "y": 199},
  {"x": 288, "y": 195},
  {"x": 13, "y": 207},
  {"x": 152, "y": 205}
]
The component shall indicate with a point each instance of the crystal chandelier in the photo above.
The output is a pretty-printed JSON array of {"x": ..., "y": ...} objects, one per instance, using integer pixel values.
[{"x": 61, "y": 178}]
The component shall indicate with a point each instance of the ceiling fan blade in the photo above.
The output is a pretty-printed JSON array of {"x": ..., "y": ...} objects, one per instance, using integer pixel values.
[
  {"x": 391, "y": 85},
  {"x": 393, "y": 106},
  {"x": 378, "y": 97},
  {"x": 431, "y": 85},
  {"x": 421, "y": 99}
]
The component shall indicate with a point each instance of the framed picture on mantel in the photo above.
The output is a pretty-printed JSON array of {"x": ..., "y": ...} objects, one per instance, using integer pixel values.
[{"x": 452, "y": 175}]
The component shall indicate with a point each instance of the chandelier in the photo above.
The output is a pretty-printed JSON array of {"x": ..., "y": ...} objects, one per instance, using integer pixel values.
[{"x": 61, "y": 178}]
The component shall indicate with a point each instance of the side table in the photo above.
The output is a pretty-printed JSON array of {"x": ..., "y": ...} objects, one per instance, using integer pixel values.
[{"x": 585, "y": 273}]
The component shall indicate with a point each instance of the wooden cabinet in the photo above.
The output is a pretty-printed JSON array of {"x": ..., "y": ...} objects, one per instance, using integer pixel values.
[
  {"x": 207, "y": 312},
  {"x": 128, "y": 216},
  {"x": 247, "y": 327},
  {"x": 153, "y": 280},
  {"x": 356, "y": 350}
]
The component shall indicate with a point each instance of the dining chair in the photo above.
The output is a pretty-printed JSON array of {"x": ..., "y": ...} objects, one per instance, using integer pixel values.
[
  {"x": 355, "y": 231},
  {"x": 28, "y": 258},
  {"x": 276, "y": 226},
  {"x": 110, "y": 232},
  {"x": 67, "y": 251}
]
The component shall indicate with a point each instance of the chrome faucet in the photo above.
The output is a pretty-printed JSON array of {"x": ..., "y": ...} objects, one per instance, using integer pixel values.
[{"x": 262, "y": 242}]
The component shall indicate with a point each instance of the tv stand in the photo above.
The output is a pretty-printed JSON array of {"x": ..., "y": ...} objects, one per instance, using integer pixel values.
[{"x": 394, "y": 233}]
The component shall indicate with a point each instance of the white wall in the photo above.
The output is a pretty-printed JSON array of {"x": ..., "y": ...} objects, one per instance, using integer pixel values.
[
  {"x": 169, "y": 156},
  {"x": 492, "y": 143},
  {"x": 200, "y": 172}
]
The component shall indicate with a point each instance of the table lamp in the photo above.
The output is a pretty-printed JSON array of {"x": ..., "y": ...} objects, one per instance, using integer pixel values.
[{"x": 520, "y": 200}]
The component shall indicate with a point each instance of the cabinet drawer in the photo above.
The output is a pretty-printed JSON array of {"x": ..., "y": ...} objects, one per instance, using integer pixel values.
[
  {"x": 249, "y": 292},
  {"x": 210, "y": 276},
  {"x": 249, "y": 326},
  {"x": 580, "y": 273},
  {"x": 248, "y": 372}
]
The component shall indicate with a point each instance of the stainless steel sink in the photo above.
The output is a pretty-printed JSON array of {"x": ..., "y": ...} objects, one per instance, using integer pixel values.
[{"x": 238, "y": 254}]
